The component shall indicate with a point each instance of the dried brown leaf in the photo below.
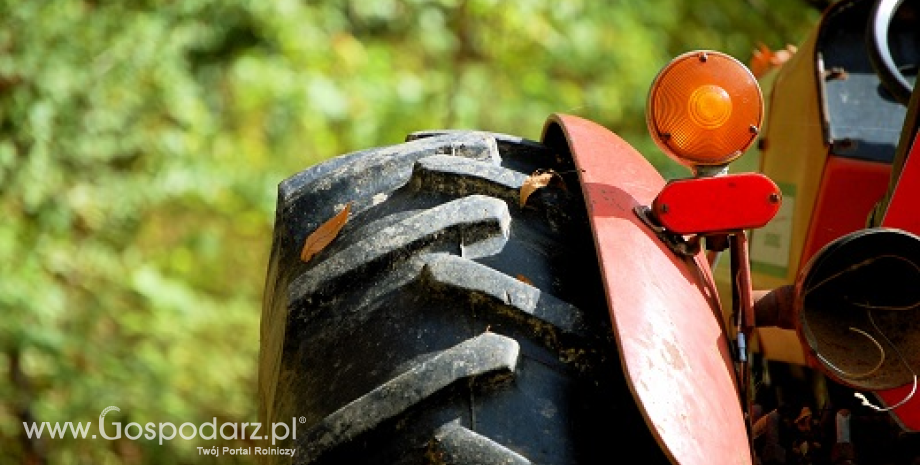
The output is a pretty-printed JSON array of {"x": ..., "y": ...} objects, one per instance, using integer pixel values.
[
  {"x": 760, "y": 60},
  {"x": 524, "y": 279},
  {"x": 764, "y": 59},
  {"x": 539, "y": 179},
  {"x": 324, "y": 234}
]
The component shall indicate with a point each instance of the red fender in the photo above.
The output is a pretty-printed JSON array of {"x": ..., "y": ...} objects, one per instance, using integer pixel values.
[
  {"x": 665, "y": 309},
  {"x": 902, "y": 214}
]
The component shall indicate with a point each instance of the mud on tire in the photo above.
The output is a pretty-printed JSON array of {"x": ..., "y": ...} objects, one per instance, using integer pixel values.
[{"x": 445, "y": 324}]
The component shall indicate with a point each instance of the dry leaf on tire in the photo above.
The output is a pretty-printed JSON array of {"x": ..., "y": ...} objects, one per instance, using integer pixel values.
[
  {"x": 538, "y": 180},
  {"x": 324, "y": 234}
]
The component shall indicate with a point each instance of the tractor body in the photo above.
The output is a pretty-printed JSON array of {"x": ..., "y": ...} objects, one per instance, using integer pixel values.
[{"x": 450, "y": 318}]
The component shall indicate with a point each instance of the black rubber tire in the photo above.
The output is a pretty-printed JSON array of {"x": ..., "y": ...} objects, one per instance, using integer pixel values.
[{"x": 445, "y": 324}]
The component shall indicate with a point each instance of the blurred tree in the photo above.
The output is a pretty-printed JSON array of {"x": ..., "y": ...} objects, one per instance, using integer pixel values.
[{"x": 141, "y": 143}]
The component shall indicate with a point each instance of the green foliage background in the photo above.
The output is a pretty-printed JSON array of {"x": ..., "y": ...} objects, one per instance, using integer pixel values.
[{"x": 141, "y": 144}]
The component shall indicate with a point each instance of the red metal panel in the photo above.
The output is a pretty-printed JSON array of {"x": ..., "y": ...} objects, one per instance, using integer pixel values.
[
  {"x": 849, "y": 190},
  {"x": 902, "y": 214},
  {"x": 902, "y": 209},
  {"x": 732, "y": 202},
  {"x": 665, "y": 310}
]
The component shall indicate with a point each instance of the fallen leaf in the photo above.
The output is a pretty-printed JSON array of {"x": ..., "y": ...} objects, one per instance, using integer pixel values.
[
  {"x": 324, "y": 234},
  {"x": 524, "y": 279},
  {"x": 764, "y": 59},
  {"x": 538, "y": 180},
  {"x": 760, "y": 60}
]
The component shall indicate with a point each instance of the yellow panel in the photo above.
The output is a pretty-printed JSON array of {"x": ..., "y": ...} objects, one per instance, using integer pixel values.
[{"x": 794, "y": 156}]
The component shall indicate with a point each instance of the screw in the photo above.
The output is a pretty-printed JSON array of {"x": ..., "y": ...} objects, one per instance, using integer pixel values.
[
  {"x": 704, "y": 56},
  {"x": 754, "y": 130},
  {"x": 774, "y": 197}
]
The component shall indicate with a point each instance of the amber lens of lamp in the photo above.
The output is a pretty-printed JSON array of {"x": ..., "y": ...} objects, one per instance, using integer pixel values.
[{"x": 704, "y": 108}]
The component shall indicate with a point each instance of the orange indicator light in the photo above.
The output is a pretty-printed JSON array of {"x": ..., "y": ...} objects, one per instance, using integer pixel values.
[{"x": 704, "y": 109}]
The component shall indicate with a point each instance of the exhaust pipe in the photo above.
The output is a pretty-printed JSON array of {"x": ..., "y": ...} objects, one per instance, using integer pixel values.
[{"x": 856, "y": 309}]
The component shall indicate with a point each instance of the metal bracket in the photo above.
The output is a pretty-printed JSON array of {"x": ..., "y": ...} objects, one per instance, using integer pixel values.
[{"x": 678, "y": 244}]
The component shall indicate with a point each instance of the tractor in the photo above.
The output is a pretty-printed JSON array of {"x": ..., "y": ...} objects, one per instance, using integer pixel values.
[{"x": 470, "y": 297}]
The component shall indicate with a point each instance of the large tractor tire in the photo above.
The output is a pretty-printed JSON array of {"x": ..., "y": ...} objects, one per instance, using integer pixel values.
[{"x": 445, "y": 324}]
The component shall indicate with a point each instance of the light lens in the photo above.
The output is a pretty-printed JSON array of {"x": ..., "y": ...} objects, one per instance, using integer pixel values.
[
  {"x": 710, "y": 106},
  {"x": 704, "y": 108}
]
